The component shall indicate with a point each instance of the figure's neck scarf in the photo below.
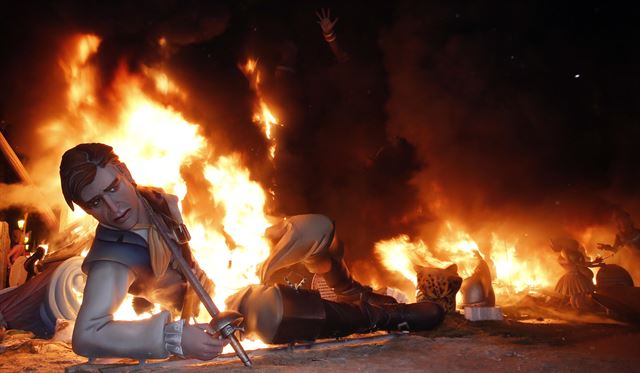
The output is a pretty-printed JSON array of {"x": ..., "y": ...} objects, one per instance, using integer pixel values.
[{"x": 159, "y": 252}]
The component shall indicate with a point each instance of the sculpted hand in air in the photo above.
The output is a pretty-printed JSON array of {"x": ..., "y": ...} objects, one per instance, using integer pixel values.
[
  {"x": 327, "y": 25},
  {"x": 325, "y": 22}
]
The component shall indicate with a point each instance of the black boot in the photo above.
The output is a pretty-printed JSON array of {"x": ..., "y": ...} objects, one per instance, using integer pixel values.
[
  {"x": 343, "y": 319},
  {"x": 340, "y": 280},
  {"x": 409, "y": 317},
  {"x": 280, "y": 314}
]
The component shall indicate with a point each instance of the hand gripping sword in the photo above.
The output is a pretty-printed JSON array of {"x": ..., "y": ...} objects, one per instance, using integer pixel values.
[{"x": 226, "y": 323}]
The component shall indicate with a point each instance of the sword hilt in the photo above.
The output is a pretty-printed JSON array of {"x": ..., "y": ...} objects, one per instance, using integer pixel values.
[{"x": 227, "y": 323}]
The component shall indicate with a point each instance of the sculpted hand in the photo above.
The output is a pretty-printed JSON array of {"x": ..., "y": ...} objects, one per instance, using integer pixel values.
[
  {"x": 325, "y": 22},
  {"x": 197, "y": 342},
  {"x": 598, "y": 260},
  {"x": 607, "y": 247}
]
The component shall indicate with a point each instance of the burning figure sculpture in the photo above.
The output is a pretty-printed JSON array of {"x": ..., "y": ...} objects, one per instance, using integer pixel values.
[
  {"x": 128, "y": 255},
  {"x": 628, "y": 234},
  {"x": 577, "y": 283}
]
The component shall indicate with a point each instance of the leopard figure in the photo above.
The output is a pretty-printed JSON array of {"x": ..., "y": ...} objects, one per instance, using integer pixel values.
[{"x": 438, "y": 285}]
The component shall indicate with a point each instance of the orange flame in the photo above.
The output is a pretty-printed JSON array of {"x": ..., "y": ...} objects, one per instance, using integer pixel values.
[
  {"x": 400, "y": 255},
  {"x": 263, "y": 115},
  {"x": 77, "y": 71},
  {"x": 155, "y": 140},
  {"x": 513, "y": 274}
]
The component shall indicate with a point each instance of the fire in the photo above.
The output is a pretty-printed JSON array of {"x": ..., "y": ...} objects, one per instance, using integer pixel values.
[
  {"x": 400, "y": 255},
  {"x": 163, "y": 83},
  {"x": 250, "y": 66},
  {"x": 263, "y": 115},
  {"x": 155, "y": 140},
  {"x": 232, "y": 268},
  {"x": 76, "y": 71},
  {"x": 459, "y": 248},
  {"x": 513, "y": 274}
]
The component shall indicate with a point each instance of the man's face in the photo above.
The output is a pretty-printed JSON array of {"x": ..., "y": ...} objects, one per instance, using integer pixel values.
[{"x": 111, "y": 198}]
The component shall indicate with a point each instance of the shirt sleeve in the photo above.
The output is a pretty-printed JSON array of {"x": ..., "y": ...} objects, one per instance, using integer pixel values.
[{"x": 96, "y": 334}]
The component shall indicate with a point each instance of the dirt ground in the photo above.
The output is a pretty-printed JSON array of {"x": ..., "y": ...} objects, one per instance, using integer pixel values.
[{"x": 526, "y": 341}]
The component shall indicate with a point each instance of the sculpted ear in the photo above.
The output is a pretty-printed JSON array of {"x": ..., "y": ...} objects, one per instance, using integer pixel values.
[
  {"x": 418, "y": 268},
  {"x": 452, "y": 268}
]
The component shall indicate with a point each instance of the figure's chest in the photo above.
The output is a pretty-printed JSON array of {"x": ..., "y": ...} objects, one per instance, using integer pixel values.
[{"x": 167, "y": 291}]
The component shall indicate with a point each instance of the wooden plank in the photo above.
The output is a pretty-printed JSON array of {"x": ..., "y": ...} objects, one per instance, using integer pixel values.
[
  {"x": 18, "y": 167},
  {"x": 5, "y": 244},
  {"x": 174, "y": 364}
]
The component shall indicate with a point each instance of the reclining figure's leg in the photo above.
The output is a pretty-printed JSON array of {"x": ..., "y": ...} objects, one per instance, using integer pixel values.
[
  {"x": 311, "y": 239},
  {"x": 280, "y": 314}
]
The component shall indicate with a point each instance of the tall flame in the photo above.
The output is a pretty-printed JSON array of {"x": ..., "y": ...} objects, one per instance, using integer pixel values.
[
  {"x": 263, "y": 115},
  {"x": 76, "y": 72},
  {"x": 155, "y": 140}
]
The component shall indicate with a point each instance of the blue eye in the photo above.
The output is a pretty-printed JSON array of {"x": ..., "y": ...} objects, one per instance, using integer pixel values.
[{"x": 95, "y": 203}]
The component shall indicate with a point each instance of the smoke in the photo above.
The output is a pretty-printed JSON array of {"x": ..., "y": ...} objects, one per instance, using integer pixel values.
[
  {"x": 514, "y": 147},
  {"x": 22, "y": 195}
]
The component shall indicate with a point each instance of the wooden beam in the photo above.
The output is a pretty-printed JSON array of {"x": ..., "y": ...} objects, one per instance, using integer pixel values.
[
  {"x": 176, "y": 365},
  {"x": 18, "y": 167}
]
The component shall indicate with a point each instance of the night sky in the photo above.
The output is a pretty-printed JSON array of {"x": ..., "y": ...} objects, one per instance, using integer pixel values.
[{"x": 522, "y": 116}]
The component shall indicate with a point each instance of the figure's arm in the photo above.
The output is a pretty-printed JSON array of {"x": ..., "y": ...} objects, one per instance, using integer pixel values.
[
  {"x": 8, "y": 258},
  {"x": 597, "y": 262},
  {"x": 16, "y": 249},
  {"x": 327, "y": 26},
  {"x": 613, "y": 248},
  {"x": 96, "y": 334}
]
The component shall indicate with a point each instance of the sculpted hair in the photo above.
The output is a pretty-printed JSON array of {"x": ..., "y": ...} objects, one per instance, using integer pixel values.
[{"x": 79, "y": 166}]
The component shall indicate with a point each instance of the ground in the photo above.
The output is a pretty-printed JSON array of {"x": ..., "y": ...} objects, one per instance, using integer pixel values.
[{"x": 530, "y": 339}]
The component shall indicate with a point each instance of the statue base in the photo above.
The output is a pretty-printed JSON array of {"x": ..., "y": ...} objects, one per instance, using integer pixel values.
[{"x": 483, "y": 313}]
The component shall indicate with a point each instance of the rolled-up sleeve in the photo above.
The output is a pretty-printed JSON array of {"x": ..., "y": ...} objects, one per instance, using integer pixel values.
[{"x": 96, "y": 334}]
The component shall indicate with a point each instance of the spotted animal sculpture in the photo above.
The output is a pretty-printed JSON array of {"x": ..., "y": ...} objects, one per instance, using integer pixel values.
[{"x": 439, "y": 285}]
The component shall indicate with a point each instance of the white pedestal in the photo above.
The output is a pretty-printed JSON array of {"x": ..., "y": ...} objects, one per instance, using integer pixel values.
[{"x": 483, "y": 313}]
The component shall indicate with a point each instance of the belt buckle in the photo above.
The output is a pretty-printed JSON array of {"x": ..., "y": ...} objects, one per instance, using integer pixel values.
[{"x": 181, "y": 234}]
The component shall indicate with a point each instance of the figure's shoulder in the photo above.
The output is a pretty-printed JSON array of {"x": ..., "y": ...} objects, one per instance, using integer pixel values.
[
  {"x": 158, "y": 195},
  {"x": 161, "y": 201},
  {"x": 151, "y": 193},
  {"x": 119, "y": 246}
]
